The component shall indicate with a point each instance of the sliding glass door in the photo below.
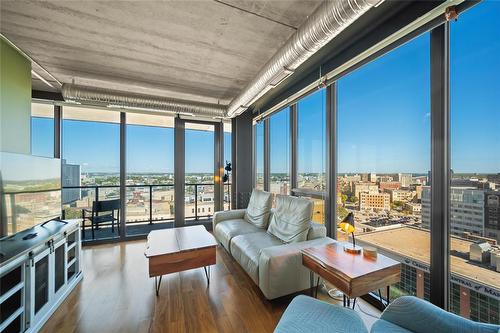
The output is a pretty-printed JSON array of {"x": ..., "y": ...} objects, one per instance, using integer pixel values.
[
  {"x": 150, "y": 179},
  {"x": 199, "y": 202}
]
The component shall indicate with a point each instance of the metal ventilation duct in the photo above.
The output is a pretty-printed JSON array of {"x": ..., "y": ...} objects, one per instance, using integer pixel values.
[
  {"x": 331, "y": 17},
  {"x": 120, "y": 99}
]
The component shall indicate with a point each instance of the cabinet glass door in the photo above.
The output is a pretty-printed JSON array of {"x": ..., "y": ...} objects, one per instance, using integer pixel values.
[
  {"x": 41, "y": 293},
  {"x": 59, "y": 268}
]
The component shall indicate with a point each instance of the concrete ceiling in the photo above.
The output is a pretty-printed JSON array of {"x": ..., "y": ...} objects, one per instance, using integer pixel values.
[{"x": 201, "y": 50}]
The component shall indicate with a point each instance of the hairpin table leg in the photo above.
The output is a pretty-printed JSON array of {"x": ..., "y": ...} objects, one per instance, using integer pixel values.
[{"x": 157, "y": 284}]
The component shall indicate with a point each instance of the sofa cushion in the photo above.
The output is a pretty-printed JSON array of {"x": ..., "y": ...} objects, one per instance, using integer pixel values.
[
  {"x": 246, "y": 249},
  {"x": 291, "y": 219},
  {"x": 227, "y": 229},
  {"x": 316, "y": 230},
  {"x": 259, "y": 208},
  {"x": 306, "y": 314}
]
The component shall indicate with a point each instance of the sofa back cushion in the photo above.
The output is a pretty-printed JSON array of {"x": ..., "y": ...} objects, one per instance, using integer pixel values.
[
  {"x": 291, "y": 219},
  {"x": 259, "y": 208}
]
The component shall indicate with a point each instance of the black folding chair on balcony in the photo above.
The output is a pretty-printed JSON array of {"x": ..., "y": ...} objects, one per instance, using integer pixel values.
[{"x": 103, "y": 212}]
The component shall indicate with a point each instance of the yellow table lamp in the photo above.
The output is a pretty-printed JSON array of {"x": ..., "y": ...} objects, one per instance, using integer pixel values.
[{"x": 347, "y": 226}]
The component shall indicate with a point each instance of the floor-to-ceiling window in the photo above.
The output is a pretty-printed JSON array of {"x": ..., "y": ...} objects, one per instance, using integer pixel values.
[
  {"x": 199, "y": 171},
  {"x": 383, "y": 151},
  {"x": 42, "y": 129},
  {"x": 259, "y": 155},
  {"x": 227, "y": 128},
  {"x": 311, "y": 151},
  {"x": 475, "y": 162},
  {"x": 279, "y": 152},
  {"x": 150, "y": 172},
  {"x": 90, "y": 163}
]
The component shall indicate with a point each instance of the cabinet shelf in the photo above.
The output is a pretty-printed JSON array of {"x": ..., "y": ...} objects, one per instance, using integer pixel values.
[
  {"x": 70, "y": 246},
  {"x": 12, "y": 291},
  {"x": 71, "y": 262},
  {"x": 11, "y": 318}
]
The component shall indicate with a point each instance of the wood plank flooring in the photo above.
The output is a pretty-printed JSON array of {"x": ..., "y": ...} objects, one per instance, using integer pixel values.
[{"x": 116, "y": 295}]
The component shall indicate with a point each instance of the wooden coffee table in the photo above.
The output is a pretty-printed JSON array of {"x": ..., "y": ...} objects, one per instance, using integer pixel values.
[
  {"x": 353, "y": 274},
  {"x": 179, "y": 249}
]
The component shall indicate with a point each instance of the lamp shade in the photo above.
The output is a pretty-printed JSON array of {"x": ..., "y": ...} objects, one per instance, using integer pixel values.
[{"x": 347, "y": 224}]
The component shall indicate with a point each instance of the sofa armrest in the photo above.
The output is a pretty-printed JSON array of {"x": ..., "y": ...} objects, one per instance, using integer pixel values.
[
  {"x": 419, "y": 316},
  {"x": 280, "y": 268},
  {"x": 316, "y": 231},
  {"x": 227, "y": 215}
]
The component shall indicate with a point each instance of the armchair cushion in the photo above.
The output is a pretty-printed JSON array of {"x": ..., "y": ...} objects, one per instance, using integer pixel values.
[
  {"x": 306, "y": 314},
  {"x": 291, "y": 219},
  {"x": 259, "y": 208},
  {"x": 416, "y": 315},
  {"x": 246, "y": 249},
  {"x": 225, "y": 230},
  {"x": 383, "y": 326}
]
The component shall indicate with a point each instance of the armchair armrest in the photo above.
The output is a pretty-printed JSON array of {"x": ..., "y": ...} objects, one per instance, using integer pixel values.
[
  {"x": 420, "y": 316},
  {"x": 316, "y": 231},
  {"x": 227, "y": 215},
  {"x": 280, "y": 268}
]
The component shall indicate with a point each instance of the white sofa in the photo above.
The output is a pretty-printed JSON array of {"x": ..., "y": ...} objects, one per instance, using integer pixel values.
[{"x": 274, "y": 265}]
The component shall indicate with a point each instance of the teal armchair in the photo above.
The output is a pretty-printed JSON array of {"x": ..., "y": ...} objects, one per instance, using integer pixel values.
[{"x": 405, "y": 314}]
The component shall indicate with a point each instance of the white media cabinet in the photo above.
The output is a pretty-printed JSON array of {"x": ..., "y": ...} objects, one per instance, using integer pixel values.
[{"x": 39, "y": 267}]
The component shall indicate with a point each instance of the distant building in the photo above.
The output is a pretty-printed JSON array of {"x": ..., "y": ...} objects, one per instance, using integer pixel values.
[
  {"x": 365, "y": 187},
  {"x": 401, "y": 195},
  {"x": 383, "y": 179},
  {"x": 414, "y": 208},
  {"x": 374, "y": 201},
  {"x": 365, "y": 177},
  {"x": 422, "y": 180},
  {"x": 474, "y": 291},
  {"x": 373, "y": 177},
  {"x": 405, "y": 179},
  {"x": 471, "y": 182},
  {"x": 389, "y": 185},
  {"x": 71, "y": 176},
  {"x": 418, "y": 191},
  {"x": 466, "y": 210},
  {"x": 492, "y": 215}
]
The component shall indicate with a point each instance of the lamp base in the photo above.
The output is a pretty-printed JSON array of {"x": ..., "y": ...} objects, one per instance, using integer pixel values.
[{"x": 349, "y": 248}]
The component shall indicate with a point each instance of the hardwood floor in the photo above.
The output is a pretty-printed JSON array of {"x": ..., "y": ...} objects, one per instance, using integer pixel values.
[{"x": 116, "y": 295}]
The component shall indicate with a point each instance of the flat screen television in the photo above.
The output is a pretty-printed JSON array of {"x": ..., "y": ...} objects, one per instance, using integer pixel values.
[{"x": 30, "y": 191}]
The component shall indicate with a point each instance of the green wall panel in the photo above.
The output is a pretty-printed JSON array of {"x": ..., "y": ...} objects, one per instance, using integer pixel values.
[{"x": 15, "y": 101}]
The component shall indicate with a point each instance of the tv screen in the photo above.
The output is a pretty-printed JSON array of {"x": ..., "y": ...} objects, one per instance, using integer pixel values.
[{"x": 30, "y": 191}]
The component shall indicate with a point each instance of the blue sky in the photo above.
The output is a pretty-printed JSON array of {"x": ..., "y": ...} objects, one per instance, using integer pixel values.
[
  {"x": 383, "y": 117},
  {"x": 96, "y": 146}
]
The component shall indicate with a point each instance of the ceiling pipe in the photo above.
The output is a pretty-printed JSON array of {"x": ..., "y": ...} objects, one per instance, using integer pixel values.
[
  {"x": 78, "y": 94},
  {"x": 327, "y": 21}
]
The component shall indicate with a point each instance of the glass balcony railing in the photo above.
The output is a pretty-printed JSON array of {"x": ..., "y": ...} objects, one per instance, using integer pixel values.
[{"x": 145, "y": 204}]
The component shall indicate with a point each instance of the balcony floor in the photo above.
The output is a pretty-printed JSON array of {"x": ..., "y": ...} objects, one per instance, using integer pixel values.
[
  {"x": 133, "y": 229},
  {"x": 116, "y": 295}
]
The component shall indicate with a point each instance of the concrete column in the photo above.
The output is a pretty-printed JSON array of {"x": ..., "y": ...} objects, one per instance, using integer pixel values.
[
  {"x": 242, "y": 183},
  {"x": 464, "y": 302},
  {"x": 420, "y": 283}
]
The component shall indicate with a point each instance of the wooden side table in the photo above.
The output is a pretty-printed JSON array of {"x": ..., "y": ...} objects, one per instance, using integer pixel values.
[{"x": 353, "y": 274}]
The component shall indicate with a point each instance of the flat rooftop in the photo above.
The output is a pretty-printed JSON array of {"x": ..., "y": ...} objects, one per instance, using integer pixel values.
[{"x": 415, "y": 243}]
